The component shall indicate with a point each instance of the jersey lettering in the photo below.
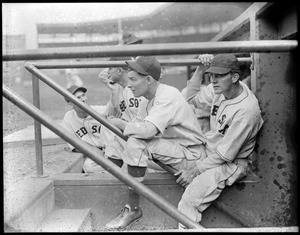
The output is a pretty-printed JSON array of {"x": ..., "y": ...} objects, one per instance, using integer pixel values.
[
  {"x": 122, "y": 106},
  {"x": 222, "y": 131},
  {"x": 81, "y": 132},
  {"x": 133, "y": 102},
  {"x": 214, "y": 110},
  {"x": 94, "y": 129},
  {"x": 221, "y": 121}
]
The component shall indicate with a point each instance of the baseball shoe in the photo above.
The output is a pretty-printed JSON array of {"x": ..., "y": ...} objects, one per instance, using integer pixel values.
[{"x": 124, "y": 218}]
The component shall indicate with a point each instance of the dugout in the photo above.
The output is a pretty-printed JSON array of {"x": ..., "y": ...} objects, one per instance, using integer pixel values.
[{"x": 268, "y": 197}]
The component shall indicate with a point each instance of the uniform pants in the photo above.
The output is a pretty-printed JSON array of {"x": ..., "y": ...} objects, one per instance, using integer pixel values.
[
  {"x": 138, "y": 153},
  {"x": 207, "y": 187},
  {"x": 89, "y": 166}
]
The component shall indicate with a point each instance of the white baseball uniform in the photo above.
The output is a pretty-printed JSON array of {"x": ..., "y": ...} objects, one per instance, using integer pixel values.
[
  {"x": 179, "y": 140},
  {"x": 92, "y": 132},
  {"x": 234, "y": 124},
  {"x": 128, "y": 103}
]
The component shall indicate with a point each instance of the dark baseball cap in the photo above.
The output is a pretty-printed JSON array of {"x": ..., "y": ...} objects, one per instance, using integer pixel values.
[
  {"x": 146, "y": 65},
  {"x": 72, "y": 89},
  {"x": 223, "y": 63},
  {"x": 130, "y": 38}
]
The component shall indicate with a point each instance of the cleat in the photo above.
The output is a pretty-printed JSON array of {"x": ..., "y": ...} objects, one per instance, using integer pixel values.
[{"x": 124, "y": 218}]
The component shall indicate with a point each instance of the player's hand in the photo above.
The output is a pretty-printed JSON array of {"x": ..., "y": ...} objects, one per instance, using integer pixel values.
[
  {"x": 186, "y": 176},
  {"x": 206, "y": 58},
  {"x": 104, "y": 74}
]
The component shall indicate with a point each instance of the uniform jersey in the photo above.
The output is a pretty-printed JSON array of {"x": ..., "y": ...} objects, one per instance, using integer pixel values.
[
  {"x": 87, "y": 129},
  {"x": 173, "y": 117},
  {"x": 128, "y": 103},
  {"x": 234, "y": 123}
]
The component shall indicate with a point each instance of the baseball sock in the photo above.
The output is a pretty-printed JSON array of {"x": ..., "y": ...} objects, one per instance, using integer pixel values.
[
  {"x": 118, "y": 162},
  {"x": 133, "y": 197}
]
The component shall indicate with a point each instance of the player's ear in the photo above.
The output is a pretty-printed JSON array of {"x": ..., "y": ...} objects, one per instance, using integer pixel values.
[
  {"x": 149, "y": 79},
  {"x": 235, "y": 77}
]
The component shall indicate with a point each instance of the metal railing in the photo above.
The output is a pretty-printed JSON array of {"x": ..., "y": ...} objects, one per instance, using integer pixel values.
[
  {"x": 94, "y": 153},
  {"x": 265, "y": 46}
]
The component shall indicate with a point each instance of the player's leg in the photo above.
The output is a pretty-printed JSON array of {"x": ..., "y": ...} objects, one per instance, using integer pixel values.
[
  {"x": 89, "y": 166},
  {"x": 203, "y": 190},
  {"x": 135, "y": 157},
  {"x": 114, "y": 146}
]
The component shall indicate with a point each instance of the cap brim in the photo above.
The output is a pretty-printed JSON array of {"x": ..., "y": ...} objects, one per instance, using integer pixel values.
[
  {"x": 77, "y": 89},
  {"x": 218, "y": 70},
  {"x": 80, "y": 88},
  {"x": 136, "y": 67}
]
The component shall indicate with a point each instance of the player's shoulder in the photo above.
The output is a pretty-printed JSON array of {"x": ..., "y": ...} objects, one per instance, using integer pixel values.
[
  {"x": 69, "y": 115},
  {"x": 167, "y": 91}
]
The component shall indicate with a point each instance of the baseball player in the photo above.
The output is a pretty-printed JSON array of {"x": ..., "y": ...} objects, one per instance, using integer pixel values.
[
  {"x": 165, "y": 129},
  {"x": 235, "y": 120},
  {"x": 86, "y": 128},
  {"x": 122, "y": 101}
]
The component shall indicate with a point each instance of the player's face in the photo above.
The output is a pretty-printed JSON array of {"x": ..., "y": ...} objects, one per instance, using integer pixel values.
[
  {"x": 222, "y": 83},
  {"x": 82, "y": 97},
  {"x": 137, "y": 83}
]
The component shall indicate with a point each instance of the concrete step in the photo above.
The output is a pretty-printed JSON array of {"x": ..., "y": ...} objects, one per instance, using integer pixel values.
[
  {"x": 67, "y": 220},
  {"x": 106, "y": 195}
]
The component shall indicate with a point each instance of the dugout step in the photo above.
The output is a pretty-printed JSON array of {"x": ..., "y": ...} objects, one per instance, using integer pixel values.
[
  {"x": 67, "y": 220},
  {"x": 106, "y": 195}
]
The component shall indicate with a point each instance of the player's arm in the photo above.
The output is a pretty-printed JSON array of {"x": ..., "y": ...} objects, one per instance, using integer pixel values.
[
  {"x": 140, "y": 130},
  {"x": 194, "y": 84},
  {"x": 113, "y": 104},
  {"x": 237, "y": 134},
  {"x": 67, "y": 126}
]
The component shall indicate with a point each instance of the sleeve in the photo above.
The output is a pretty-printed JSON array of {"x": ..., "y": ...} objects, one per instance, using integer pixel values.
[
  {"x": 200, "y": 96},
  {"x": 113, "y": 111},
  {"x": 68, "y": 127},
  {"x": 141, "y": 130},
  {"x": 162, "y": 113}
]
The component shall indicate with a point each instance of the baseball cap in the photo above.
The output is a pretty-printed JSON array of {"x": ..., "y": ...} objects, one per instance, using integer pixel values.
[
  {"x": 223, "y": 63},
  {"x": 146, "y": 65},
  {"x": 72, "y": 89},
  {"x": 130, "y": 38}
]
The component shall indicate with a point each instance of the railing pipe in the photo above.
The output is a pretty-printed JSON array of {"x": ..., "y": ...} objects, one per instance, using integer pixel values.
[
  {"x": 31, "y": 68},
  {"x": 94, "y": 153},
  {"x": 37, "y": 129},
  {"x": 107, "y": 64},
  {"x": 266, "y": 46}
]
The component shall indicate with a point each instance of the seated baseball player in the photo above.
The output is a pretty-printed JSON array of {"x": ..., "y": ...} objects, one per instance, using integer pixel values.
[
  {"x": 122, "y": 101},
  {"x": 235, "y": 120},
  {"x": 86, "y": 128},
  {"x": 165, "y": 128}
]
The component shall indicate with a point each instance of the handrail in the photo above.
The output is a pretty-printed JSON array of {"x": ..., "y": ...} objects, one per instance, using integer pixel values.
[
  {"x": 107, "y": 64},
  {"x": 94, "y": 153},
  {"x": 266, "y": 46}
]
